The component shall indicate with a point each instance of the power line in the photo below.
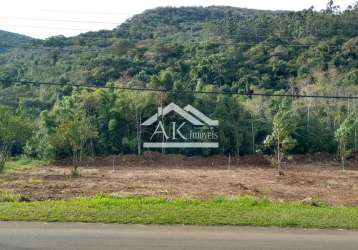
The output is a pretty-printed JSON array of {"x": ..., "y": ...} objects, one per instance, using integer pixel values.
[
  {"x": 69, "y": 49},
  {"x": 78, "y": 12},
  {"x": 75, "y": 48},
  {"x": 58, "y": 20},
  {"x": 240, "y": 14},
  {"x": 236, "y": 12},
  {"x": 237, "y": 36},
  {"x": 242, "y": 33},
  {"x": 44, "y": 27},
  {"x": 191, "y": 38},
  {"x": 28, "y": 82},
  {"x": 88, "y": 12},
  {"x": 256, "y": 33},
  {"x": 241, "y": 29}
]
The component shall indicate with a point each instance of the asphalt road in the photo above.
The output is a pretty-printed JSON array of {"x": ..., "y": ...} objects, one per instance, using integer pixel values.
[{"x": 70, "y": 236}]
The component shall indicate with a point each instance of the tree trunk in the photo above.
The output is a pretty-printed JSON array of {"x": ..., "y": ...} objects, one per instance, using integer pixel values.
[
  {"x": 75, "y": 161},
  {"x": 355, "y": 128},
  {"x": 343, "y": 156},
  {"x": 3, "y": 156},
  {"x": 253, "y": 135},
  {"x": 308, "y": 116},
  {"x": 279, "y": 158},
  {"x": 355, "y": 139},
  {"x": 278, "y": 155},
  {"x": 139, "y": 133},
  {"x": 161, "y": 106}
]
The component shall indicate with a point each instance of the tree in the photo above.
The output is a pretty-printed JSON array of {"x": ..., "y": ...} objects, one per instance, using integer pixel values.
[
  {"x": 219, "y": 49},
  {"x": 13, "y": 129},
  {"x": 343, "y": 134},
  {"x": 284, "y": 124},
  {"x": 75, "y": 132}
]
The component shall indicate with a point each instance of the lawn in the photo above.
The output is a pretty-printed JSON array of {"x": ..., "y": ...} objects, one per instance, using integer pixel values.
[{"x": 147, "y": 210}]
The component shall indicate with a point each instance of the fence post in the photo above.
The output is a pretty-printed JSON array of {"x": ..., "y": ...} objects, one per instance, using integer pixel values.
[
  {"x": 113, "y": 163},
  {"x": 229, "y": 162}
]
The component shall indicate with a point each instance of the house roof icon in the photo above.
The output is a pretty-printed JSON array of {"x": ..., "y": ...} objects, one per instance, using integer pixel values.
[{"x": 189, "y": 113}]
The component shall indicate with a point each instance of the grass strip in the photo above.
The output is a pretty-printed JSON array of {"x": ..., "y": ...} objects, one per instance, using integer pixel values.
[{"x": 147, "y": 210}]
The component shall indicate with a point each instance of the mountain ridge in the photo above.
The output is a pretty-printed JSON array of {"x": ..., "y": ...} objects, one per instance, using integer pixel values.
[
  {"x": 11, "y": 39},
  {"x": 225, "y": 47}
]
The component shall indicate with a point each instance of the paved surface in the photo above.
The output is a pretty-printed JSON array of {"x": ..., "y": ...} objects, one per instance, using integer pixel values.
[{"x": 69, "y": 236}]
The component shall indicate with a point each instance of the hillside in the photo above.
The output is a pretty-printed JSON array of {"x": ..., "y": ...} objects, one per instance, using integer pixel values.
[
  {"x": 12, "y": 39},
  {"x": 213, "y": 48},
  {"x": 222, "y": 46}
]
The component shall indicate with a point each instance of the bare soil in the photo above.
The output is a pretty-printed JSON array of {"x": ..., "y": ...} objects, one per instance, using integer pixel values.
[{"x": 316, "y": 177}]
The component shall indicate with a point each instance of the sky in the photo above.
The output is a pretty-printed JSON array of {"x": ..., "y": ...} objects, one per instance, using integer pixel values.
[{"x": 45, "y": 18}]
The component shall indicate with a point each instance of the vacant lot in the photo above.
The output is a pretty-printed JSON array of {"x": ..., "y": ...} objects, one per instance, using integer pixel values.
[{"x": 322, "y": 181}]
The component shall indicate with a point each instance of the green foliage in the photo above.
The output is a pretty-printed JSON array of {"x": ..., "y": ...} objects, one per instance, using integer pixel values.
[
  {"x": 8, "y": 40},
  {"x": 13, "y": 130},
  {"x": 23, "y": 163},
  {"x": 284, "y": 125},
  {"x": 344, "y": 134},
  {"x": 9, "y": 197},
  {"x": 74, "y": 132},
  {"x": 206, "y": 49}
]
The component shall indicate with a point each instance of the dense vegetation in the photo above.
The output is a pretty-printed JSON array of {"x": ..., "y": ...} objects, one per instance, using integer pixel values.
[
  {"x": 210, "y": 49},
  {"x": 9, "y": 40}
]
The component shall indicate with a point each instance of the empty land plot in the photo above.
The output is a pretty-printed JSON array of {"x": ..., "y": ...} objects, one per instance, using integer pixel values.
[{"x": 313, "y": 181}]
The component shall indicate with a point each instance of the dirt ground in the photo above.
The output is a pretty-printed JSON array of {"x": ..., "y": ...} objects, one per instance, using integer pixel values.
[{"x": 316, "y": 177}]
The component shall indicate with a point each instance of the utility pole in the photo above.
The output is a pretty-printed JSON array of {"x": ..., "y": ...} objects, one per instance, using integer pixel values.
[
  {"x": 355, "y": 127},
  {"x": 162, "y": 117},
  {"x": 140, "y": 134},
  {"x": 229, "y": 162}
]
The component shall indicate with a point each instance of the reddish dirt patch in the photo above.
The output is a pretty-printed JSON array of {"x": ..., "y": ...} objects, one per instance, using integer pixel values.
[{"x": 178, "y": 176}]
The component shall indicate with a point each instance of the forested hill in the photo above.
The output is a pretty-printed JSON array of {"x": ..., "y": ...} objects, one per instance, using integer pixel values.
[
  {"x": 231, "y": 48},
  {"x": 9, "y": 40},
  {"x": 214, "y": 49}
]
